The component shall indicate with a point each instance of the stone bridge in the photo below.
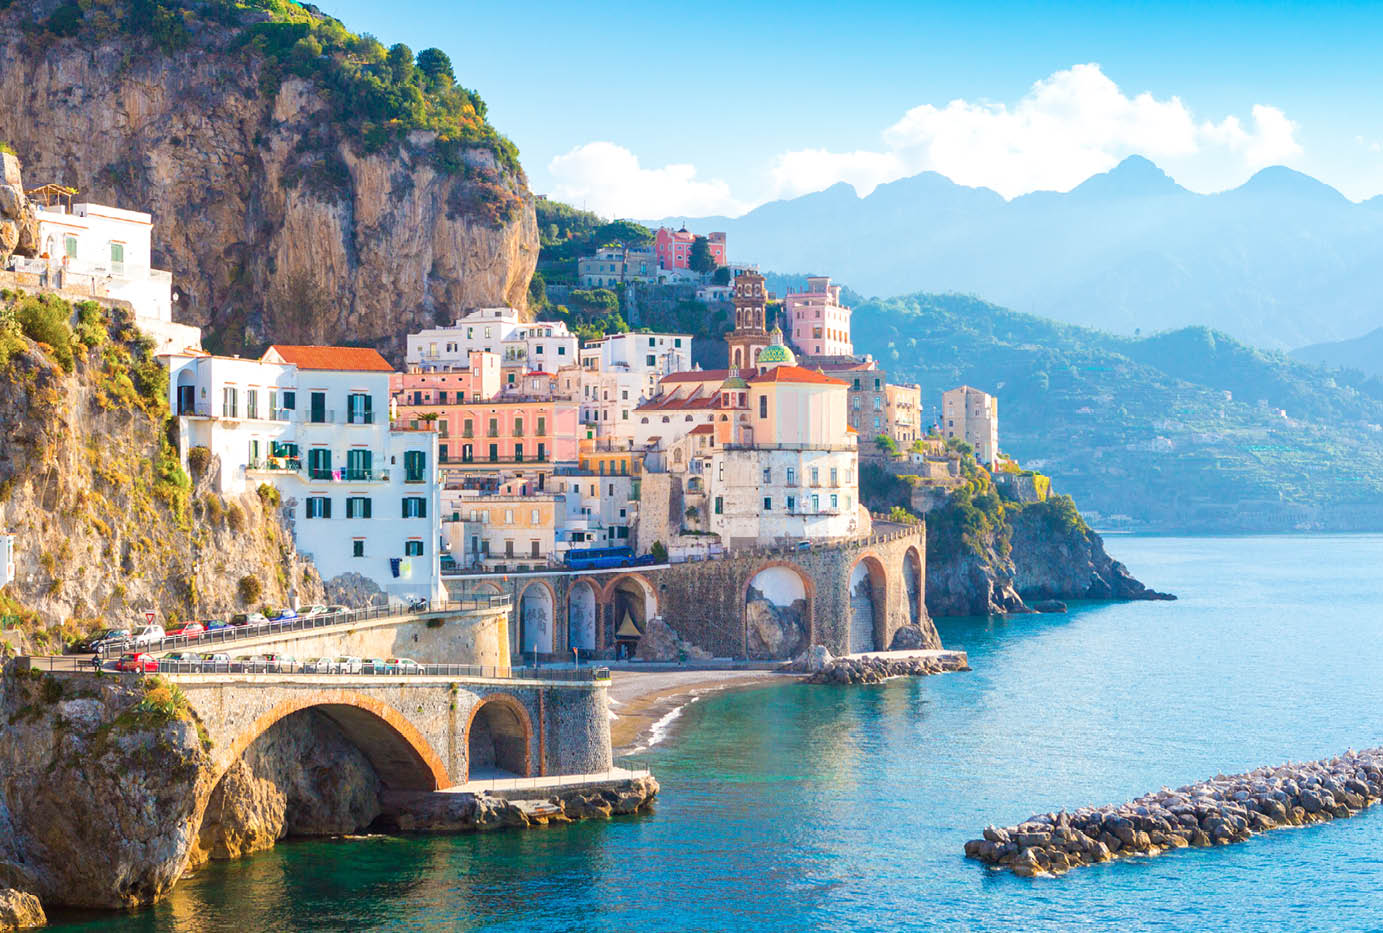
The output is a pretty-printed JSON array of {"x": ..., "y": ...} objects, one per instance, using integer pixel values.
[
  {"x": 419, "y": 732},
  {"x": 850, "y": 596}
]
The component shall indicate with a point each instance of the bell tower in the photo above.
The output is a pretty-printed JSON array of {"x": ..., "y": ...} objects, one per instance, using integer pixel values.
[{"x": 749, "y": 335}]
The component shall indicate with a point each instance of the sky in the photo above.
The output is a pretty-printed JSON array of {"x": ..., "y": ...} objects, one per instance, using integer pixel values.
[{"x": 653, "y": 111}]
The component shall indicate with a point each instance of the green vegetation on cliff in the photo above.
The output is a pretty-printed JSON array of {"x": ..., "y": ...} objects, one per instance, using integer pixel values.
[
  {"x": 379, "y": 94},
  {"x": 1181, "y": 430}
]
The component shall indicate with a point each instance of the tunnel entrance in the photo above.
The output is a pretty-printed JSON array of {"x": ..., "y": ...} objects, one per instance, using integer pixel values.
[{"x": 498, "y": 740}]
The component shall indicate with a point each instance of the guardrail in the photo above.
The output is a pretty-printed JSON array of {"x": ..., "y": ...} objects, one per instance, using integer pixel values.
[
  {"x": 333, "y": 667},
  {"x": 300, "y": 623}
]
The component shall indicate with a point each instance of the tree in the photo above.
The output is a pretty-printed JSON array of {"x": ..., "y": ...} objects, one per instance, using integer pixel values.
[
  {"x": 722, "y": 276},
  {"x": 437, "y": 66},
  {"x": 400, "y": 62},
  {"x": 886, "y": 444},
  {"x": 701, "y": 259}
]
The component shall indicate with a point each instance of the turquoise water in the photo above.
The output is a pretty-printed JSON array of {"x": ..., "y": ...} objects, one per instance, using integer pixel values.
[{"x": 795, "y": 807}]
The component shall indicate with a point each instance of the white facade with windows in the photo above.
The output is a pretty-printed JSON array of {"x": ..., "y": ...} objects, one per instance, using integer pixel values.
[
  {"x": 360, "y": 497},
  {"x": 108, "y": 252},
  {"x": 767, "y": 496},
  {"x": 593, "y": 510},
  {"x": 485, "y": 329},
  {"x": 659, "y": 354},
  {"x": 544, "y": 346}
]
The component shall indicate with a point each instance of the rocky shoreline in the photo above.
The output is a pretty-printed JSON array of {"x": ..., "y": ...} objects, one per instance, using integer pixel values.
[
  {"x": 875, "y": 668},
  {"x": 449, "y": 812},
  {"x": 1218, "y": 811}
]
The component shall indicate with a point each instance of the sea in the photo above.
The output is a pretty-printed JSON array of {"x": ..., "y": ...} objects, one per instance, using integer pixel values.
[{"x": 794, "y": 807}]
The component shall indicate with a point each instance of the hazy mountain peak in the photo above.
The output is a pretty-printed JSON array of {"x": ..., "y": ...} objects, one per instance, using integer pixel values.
[
  {"x": 1280, "y": 180},
  {"x": 1133, "y": 177}
]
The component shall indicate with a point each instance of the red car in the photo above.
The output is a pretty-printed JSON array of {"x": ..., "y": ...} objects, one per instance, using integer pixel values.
[
  {"x": 140, "y": 663},
  {"x": 187, "y": 630}
]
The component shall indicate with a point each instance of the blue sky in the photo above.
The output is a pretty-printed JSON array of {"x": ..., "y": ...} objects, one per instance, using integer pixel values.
[{"x": 636, "y": 110}]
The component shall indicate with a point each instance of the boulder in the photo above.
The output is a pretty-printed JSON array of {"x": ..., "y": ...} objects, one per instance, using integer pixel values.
[{"x": 19, "y": 911}]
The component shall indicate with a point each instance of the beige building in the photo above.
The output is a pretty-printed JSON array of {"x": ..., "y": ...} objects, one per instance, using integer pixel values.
[
  {"x": 972, "y": 416},
  {"x": 903, "y": 413},
  {"x": 498, "y": 530}
]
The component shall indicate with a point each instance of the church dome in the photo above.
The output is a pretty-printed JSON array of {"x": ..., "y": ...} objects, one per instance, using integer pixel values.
[
  {"x": 776, "y": 353},
  {"x": 734, "y": 382}
]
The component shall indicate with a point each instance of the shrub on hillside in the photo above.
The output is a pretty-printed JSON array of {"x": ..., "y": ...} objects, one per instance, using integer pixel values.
[
  {"x": 249, "y": 589},
  {"x": 44, "y": 320}
]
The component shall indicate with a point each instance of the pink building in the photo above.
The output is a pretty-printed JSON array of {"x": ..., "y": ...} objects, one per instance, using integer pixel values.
[
  {"x": 443, "y": 385},
  {"x": 819, "y": 324},
  {"x": 500, "y": 431},
  {"x": 673, "y": 248}
]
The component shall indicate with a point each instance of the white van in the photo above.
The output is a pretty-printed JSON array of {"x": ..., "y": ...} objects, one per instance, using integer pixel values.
[{"x": 149, "y": 635}]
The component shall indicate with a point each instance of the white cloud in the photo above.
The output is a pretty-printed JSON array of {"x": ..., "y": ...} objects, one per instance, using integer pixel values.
[
  {"x": 608, "y": 179},
  {"x": 1069, "y": 126}
]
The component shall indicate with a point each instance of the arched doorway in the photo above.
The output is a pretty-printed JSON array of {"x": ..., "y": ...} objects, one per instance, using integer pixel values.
[
  {"x": 866, "y": 605},
  {"x": 535, "y": 619},
  {"x": 498, "y": 737},
  {"x": 777, "y": 613},
  {"x": 912, "y": 584},
  {"x": 581, "y": 616},
  {"x": 632, "y": 603}
]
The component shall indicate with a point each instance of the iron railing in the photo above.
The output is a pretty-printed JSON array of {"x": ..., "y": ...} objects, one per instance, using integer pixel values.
[
  {"x": 325, "y": 667},
  {"x": 321, "y": 620}
]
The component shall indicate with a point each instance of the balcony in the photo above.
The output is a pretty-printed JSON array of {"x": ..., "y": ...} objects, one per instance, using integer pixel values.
[
  {"x": 317, "y": 416},
  {"x": 275, "y": 465},
  {"x": 347, "y": 475},
  {"x": 360, "y": 417}
]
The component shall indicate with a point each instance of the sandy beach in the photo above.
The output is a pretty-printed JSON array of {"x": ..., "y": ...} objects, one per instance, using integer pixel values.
[{"x": 640, "y": 700}]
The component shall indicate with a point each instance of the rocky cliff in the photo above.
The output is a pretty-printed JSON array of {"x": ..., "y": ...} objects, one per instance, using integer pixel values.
[
  {"x": 1029, "y": 553},
  {"x": 107, "y": 525},
  {"x": 283, "y": 213}
]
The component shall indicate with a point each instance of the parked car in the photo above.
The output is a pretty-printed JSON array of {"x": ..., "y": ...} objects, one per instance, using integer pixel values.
[
  {"x": 346, "y": 665},
  {"x": 110, "y": 638},
  {"x": 149, "y": 635},
  {"x": 333, "y": 610},
  {"x": 280, "y": 662},
  {"x": 214, "y": 625},
  {"x": 180, "y": 656},
  {"x": 217, "y": 660},
  {"x": 317, "y": 610},
  {"x": 406, "y": 666},
  {"x": 187, "y": 630},
  {"x": 317, "y": 665},
  {"x": 283, "y": 615},
  {"x": 376, "y": 666},
  {"x": 137, "y": 663},
  {"x": 248, "y": 618}
]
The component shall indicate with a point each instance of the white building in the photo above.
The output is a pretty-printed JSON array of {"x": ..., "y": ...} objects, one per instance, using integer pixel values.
[
  {"x": 543, "y": 346},
  {"x": 972, "y": 416},
  {"x": 6, "y": 558},
  {"x": 108, "y": 253},
  {"x": 314, "y": 423},
  {"x": 659, "y": 354},
  {"x": 818, "y": 325},
  {"x": 484, "y": 329},
  {"x": 612, "y": 266}
]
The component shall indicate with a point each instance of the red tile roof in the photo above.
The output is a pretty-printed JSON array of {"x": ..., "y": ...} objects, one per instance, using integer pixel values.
[
  {"x": 703, "y": 429},
  {"x": 706, "y": 375},
  {"x": 796, "y": 374},
  {"x": 340, "y": 359}
]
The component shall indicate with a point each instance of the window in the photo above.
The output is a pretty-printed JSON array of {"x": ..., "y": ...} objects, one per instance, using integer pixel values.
[
  {"x": 494, "y": 453},
  {"x": 542, "y": 426},
  {"x": 359, "y": 465},
  {"x": 318, "y": 412},
  {"x": 359, "y": 408},
  {"x": 494, "y": 428},
  {"x": 318, "y": 507},
  {"x": 768, "y": 504},
  {"x": 358, "y": 548},
  {"x": 834, "y": 500},
  {"x": 290, "y": 400},
  {"x": 69, "y": 246},
  {"x": 508, "y": 547},
  {"x": 117, "y": 258},
  {"x": 768, "y": 475},
  {"x": 468, "y": 430},
  {"x": 508, "y": 516},
  {"x": 650, "y": 360},
  {"x": 414, "y": 507},
  {"x": 792, "y": 503},
  {"x": 677, "y": 342},
  {"x": 833, "y": 477},
  {"x": 518, "y": 453},
  {"x": 414, "y": 466},
  {"x": 816, "y": 503},
  {"x": 228, "y": 403},
  {"x": 358, "y": 507},
  {"x": 763, "y": 406},
  {"x": 542, "y": 452},
  {"x": 441, "y": 396},
  {"x": 816, "y": 477},
  {"x": 412, "y": 548},
  {"x": 876, "y": 385},
  {"x": 792, "y": 477},
  {"x": 251, "y": 403},
  {"x": 319, "y": 463},
  {"x": 442, "y": 451},
  {"x": 518, "y": 427}
]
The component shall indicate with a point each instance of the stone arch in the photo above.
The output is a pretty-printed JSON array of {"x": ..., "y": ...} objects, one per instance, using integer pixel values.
[
  {"x": 537, "y": 604},
  {"x": 581, "y": 615},
  {"x": 912, "y": 584},
  {"x": 868, "y": 590},
  {"x": 779, "y": 600},
  {"x": 499, "y": 738},
  {"x": 624, "y": 592},
  {"x": 400, "y": 755}
]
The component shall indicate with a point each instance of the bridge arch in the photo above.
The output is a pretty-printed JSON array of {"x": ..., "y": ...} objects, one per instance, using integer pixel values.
[
  {"x": 778, "y": 601},
  {"x": 912, "y": 584},
  {"x": 400, "y": 754},
  {"x": 633, "y": 595},
  {"x": 499, "y": 738},
  {"x": 581, "y": 615},
  {"x": 868, "y": 604},
  {"x": 537, "y": 605}
]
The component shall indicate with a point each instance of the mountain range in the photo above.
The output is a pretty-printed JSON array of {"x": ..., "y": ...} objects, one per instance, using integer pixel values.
[{"x": 1282, "y": 261}]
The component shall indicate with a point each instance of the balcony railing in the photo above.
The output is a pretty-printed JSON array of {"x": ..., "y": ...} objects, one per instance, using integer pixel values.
[
  {"x": 348, "y": 475},
  {"x": 276, "y": 465},
  {"x": 317, "y": 416},
  {"x": 360, "y": 417}
]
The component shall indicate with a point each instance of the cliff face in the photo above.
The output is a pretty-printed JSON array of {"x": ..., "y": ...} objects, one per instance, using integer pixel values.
[
  {"x": 276, "y": 225},
  {"x": 106, "y": 524}
]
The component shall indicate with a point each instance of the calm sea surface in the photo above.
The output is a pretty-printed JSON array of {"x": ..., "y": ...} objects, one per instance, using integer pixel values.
[{"x": 798, "y": 807}]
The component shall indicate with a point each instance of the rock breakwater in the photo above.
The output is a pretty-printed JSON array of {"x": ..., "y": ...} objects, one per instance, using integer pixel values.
[
  {"x": 1218, "y": 811},
  {"x": 452, "y": 812},
  {"x": 875, "y": 668}
]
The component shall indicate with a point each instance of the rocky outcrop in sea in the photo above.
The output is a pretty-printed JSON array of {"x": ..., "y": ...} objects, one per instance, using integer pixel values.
[
  {"x": 1214, "y": 812},
  {"x": 876, "y": 668}
]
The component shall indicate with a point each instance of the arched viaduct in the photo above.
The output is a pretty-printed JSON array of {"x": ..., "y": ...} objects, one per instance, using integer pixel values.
[{"x": 849, "y": 596}]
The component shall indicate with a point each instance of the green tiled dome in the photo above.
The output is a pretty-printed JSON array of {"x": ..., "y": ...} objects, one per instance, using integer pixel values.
[
  {"x": 734, "y": 382},
  {"x": 776, "y": 353}
]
